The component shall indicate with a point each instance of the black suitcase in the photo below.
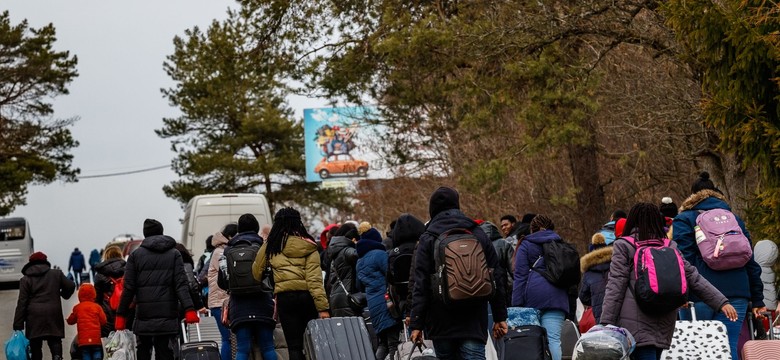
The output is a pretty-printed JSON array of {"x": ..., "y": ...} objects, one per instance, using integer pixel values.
[
  {"x": 197, "y": 350},
  {"x": 527, "y": 343},
  {"x": 337, "y": 338}
]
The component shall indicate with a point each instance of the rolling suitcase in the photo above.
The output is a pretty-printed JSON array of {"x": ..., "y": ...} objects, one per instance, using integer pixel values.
[
  {"x": 197, "y": 350},
  {"x": 409, "y": 350},
  {"x": 705, "y": 339},
  {"x": 527, "y": 342},
  {"x": 209, "y": 331},
  {"x": 763, "y": 349},
  {"x": 570, "y": 333},
  {"x": 337, "y": 338}
]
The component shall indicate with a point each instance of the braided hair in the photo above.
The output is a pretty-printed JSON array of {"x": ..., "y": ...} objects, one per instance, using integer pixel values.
[
  {"x": 287, "y": 221},
  {"x": 645, "y": 222},
  {"x": 541, "y": 222}
]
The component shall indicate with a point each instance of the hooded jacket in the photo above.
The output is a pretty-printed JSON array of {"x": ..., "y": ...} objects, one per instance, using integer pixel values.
[
  {"x": 744, "y": 282},
  {"x": 76, "y": 261},
  {"x": 343, "y": 256},
  {"x": 595, "y": 273},
  {"x": 247, "y": 309},
  {"x": 531, "y": 289},
  {"x": 104, "y": 287},
  {"x": 88, "y": 317},
  {"x": 94, "y": 258},
  {"x": 620, "y": 307},
  {"x": 405, "y": 235},
  {"x": 296, "y": 268},
  {"x": 765, "y": 254},
  {"x": 371, "y": 272},
  {"x": 155, "y": 278},
  {"x": 457, "y": 321},
  {"x": 217, "y": 295},
  {"x": 38, "y": 308}
]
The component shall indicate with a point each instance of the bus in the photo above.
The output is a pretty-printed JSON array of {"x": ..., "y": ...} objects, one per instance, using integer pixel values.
[{"x": 16, "y": 245}]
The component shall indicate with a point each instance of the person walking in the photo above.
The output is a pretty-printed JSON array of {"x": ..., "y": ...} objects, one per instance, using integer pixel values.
[
  {"x": 77, "y": 264},
  {"x": 109, "y": 275},
  {"x": 217, "y": 295},
  {"x": 39, "y": 309},
  {"x": 88, "y": 317},
  {"x": 652, "y": 332},
  {"x": 458, "y": 329},
  {"x": 156, "y": 283},
  {"x": 295, "y": 263},
  {"x": 741, "y": 285},
  {"x": 343, "y": 259},
  {"x": 94, "y": 259},
  {"x": 595, "y": 270}
]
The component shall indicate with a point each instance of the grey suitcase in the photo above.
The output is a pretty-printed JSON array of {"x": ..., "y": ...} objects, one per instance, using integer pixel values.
[
  {"x": 408, "y": 350},
  {"x": 337, "y": 338},
  {"x": 197, "y": 350},
  {"x": 209, "y": 331}
]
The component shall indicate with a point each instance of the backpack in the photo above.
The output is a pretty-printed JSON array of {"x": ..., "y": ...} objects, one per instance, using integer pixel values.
[
  {"x": 660, "y": 285},
  {"x": 239, "y": 258},
  {"x": 192, "y": 282},
  {"x": 399, "y": 266},
  {"x": 116, "y": 295},
  {"x": 562, "y": 262},
  {"x": 720, "y": 239},
  {"x": 462, "y": 272}
]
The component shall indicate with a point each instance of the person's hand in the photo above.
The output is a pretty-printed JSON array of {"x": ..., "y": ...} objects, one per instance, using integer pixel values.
[
  {"x": 324, "y": 314},
  {"x": 730, "y": 312},
  {"x": 191, "y": 317},
  {"x": 203, "y": 311},
  {"x": 500, "y": 329},
  {"x": 119, "y": 323},
  {"x": 408, "y": 320},
  {"x": 416, "y": 337},
  {"x": 757, "y": 312}
]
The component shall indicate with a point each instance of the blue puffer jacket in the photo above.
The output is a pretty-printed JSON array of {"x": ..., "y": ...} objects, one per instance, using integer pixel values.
[
  {"x": 530, "y": 288},
  {"x": 371, "y": 271},
  {"x": 744, "y": 282}
]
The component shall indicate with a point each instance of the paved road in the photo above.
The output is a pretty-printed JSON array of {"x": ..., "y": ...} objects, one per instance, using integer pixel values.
[{"x": 8, "y": 299}]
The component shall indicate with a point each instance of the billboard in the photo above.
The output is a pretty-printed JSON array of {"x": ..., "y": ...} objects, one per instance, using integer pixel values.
[{"x": 338, "y": 145}]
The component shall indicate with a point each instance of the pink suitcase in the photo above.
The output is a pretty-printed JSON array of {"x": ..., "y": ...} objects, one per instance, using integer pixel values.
[{"x": 763, "y": 349}]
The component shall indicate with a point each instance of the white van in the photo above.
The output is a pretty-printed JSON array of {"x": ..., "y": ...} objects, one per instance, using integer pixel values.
[{"x": 207, "y": 214}]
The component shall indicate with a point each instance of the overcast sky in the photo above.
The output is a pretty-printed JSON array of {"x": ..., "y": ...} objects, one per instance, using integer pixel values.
[{"x": 121, "y": 46}]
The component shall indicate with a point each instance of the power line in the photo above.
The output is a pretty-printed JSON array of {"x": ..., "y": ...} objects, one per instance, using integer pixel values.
[{"x": 124, "y": 172}]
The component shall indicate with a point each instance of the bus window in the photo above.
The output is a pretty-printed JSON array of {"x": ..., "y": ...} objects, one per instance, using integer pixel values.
[{"x": 11, "y": 231}]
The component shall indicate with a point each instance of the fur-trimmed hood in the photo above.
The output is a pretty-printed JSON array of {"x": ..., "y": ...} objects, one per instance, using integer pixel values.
[
  {"x": 596, "y": 257},
  {"x": 700, "y": 196}
]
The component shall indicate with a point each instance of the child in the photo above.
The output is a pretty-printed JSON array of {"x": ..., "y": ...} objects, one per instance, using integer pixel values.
[{"x": 88, "y": 317}]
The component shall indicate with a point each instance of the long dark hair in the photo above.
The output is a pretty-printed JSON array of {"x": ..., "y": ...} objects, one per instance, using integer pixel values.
[
  {"x": 287, "y": 221},
  {"x": 645, "y": 222}
]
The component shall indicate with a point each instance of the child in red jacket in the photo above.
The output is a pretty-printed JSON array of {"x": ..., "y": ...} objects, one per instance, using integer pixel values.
[{"x": 88, "y": 317}]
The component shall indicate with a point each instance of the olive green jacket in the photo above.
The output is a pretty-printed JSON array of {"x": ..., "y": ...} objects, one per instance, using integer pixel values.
[{"x": 297, "y": 268}]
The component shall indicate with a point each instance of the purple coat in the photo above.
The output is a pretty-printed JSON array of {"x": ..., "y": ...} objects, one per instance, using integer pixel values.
[{"x": 530, "y": 288}]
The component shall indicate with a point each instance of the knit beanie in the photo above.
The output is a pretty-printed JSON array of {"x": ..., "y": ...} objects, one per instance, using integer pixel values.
[
  {"x": 248, "y": 222},
  {"x": 527, "y": 218},
  {"x": 597, "y": 241},
  {"x": 668, "y": 207},
  {"x": 371, "y": 234},
  {"x": 619, "y": 225},
  {"x": 541, "y": 222},
  {"x": 369, "y": 240},
  {"x": 38, "y": 256},
  {"x": 152, "y": 227},
  {"x": 442, "y": 199},
  {"x": 363, "y": 227},
  {"x": 703, "y": 182}
]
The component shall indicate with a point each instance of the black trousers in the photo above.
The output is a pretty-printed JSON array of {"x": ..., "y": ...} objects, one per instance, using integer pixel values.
[
  {"x": 55, "y": 346},
  {"x": 165, "y": 347},
  {"x": 388, "y": 342},
  {"x": 295, "y": 310}
]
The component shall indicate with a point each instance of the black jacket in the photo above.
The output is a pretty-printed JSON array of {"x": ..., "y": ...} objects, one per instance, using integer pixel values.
[
  {"x": 155, "y": 277},
  {"x": 461, "y": 320},
  {"x": 104, "y": 287},
  {"x": 343, "y": 256},
  {"x": 405, "y": 235},
  {"x": 246, "y": 309},
  {"x": 39, "y": 308}
]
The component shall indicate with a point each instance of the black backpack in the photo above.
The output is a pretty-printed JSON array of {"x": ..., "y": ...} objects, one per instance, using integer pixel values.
[
  {"x": 399, "y": 266},
  {"x": 239, "y": 258},
  {"x": 562, "y": 262}
]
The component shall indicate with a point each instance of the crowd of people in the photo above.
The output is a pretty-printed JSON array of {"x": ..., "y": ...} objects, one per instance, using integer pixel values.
[{"x": 398, "y": 284}]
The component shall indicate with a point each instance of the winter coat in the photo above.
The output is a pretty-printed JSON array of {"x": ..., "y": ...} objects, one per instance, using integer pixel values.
[
  {"x": 744, "y": 282},
  {"x": 765, "y": 254},
  {"x": 504, "y": 251},
  {"x": 457, "y": 321},
  {"x": 296, "y": 268},
  {"x": 405, "y": 235},
  {"x": 94, "y": 258},
  {"x": 38, "y": 308},
  {"x": 595, "y": 272},
  {"x": 620, "y": 307},
  {"x": 104, "y": 287},
  {"x": 343, "y": 256},
  {"x": 248, "y": 309},
  {"x": 155, "y": 278},
  {"x": 76, "y": 261},
  {"x": 530, "y": 288},
  {"x": 371, "y": 271},
  {"x": 88, "y": 317},
  {"x": 217, "y": 295}
]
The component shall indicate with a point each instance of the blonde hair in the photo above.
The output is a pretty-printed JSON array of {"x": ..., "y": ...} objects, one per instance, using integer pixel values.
[{"x": 112, "y": 252}]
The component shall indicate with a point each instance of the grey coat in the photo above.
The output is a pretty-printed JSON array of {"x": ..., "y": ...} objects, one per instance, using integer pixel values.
[
  {"x": 621, "y": 309},
  {"x": 765, "y": 254}
]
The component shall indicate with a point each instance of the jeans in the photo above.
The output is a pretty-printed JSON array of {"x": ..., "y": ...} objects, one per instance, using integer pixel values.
[
  {"x": 216, "y": 312},
  {"x": 463, "y": 350},
  {"x": 649, "y": 352},
  {"x": 262, "y": 333},
  {"x": 36, "y": 347},
  {"x": 704, "y": 312},
  {"x": 552, "y": 322},
  {"x": 91, "y": 352}
]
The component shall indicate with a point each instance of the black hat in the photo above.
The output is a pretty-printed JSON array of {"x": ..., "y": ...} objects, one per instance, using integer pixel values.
[
  {"x": 442, "y": 199},
  {"x": 703, "y": 182},
  {"x": 668, "y": 207},
  {"x": 527, "y": 218},
  {"x": 248, "y": 222},
  {"x": 152, "y": 227}
]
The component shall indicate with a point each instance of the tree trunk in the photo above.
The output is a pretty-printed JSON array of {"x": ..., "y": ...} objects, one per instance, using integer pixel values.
[{"x": 591, "y": 204}]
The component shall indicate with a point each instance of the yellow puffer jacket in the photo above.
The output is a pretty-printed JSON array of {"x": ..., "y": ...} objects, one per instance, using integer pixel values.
[{"x": 297, "y": 268}]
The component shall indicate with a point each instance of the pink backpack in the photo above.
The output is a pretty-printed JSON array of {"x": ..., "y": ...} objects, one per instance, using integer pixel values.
[
  {"x": 721, "y": 241},
  {"x": 660, "y": 285}
]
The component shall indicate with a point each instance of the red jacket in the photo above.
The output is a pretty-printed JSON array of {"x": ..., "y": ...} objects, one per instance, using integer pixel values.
[{"x": 88, "y": 316}]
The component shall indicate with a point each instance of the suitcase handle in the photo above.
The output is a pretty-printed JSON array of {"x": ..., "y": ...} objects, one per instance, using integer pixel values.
[{"x": 184, "y": 331}]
